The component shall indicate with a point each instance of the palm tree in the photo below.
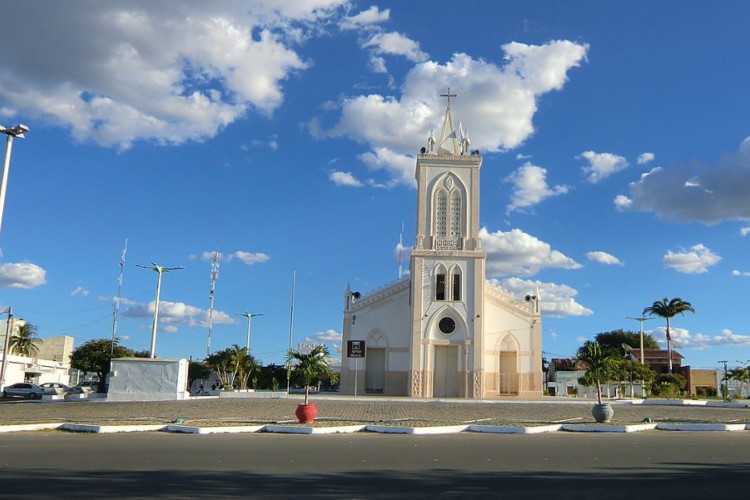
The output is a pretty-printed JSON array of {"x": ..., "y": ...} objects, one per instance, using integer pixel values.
[
  {"x": 668, "y": 309},
  {"x": 312, "y": 367},
  {"x": 24, "y": 341}
]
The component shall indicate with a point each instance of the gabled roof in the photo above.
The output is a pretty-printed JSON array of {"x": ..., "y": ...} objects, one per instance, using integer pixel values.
[
  {"x": 653, "y": 354},
  {"x": 569, "y": 365}
]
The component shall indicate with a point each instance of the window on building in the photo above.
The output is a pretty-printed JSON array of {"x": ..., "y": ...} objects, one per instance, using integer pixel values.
[
  {"x": 456, "y": 286},
  {"x": 455, "y": 230},
  {"x": 441, "y": 215},
  {"x": 440, "y": 287}
]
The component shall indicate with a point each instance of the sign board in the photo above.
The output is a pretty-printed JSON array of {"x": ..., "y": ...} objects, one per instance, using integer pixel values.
[{"x": 355, "y": 348}]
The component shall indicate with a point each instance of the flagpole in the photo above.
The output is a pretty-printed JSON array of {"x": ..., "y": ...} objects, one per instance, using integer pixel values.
[{"x": 291, "y": 328}]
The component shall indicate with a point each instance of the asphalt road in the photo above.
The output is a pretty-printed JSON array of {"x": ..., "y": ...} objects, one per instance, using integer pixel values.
[{"x": 561, "y": 465}]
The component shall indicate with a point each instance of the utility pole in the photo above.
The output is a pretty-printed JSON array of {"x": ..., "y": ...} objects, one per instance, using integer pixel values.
[
  {"x": 214, "y": 276},
  {"x": 726, "y": 382},
  {"x": 249, "y": 317},
  {"x": 291, "y": 328}
]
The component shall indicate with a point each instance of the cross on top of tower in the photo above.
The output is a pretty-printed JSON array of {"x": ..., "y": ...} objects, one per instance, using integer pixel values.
[{"x": 449, "y": 95}]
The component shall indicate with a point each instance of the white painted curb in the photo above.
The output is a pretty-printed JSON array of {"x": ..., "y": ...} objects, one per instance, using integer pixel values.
[
  {"x": 608, "y": 428},
  {"x": 28, "y": 427},
  {"x": 494, "y": 429},
  {"x": 701, "y": 427},
  {"x": 108, "y": 429},
  {"x": 186, "y": 429}
]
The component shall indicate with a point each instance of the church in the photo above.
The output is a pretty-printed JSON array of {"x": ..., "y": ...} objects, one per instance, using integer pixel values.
[{"x": 443, "y": 331}]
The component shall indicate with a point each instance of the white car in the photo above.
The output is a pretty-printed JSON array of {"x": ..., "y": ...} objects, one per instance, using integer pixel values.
[
  {"x": 52, "y": 388},
  {"x": 24, "y": 390}
]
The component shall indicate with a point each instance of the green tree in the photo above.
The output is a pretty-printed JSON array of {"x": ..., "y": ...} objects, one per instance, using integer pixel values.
[
  {"x": 312, "y": 367},
  {"x": 741, "y": 375},
  {"x": 601, "y": 366},
  {"x": 616, "y": 338},
  {"x": 669, "y": 385},
  {"x": 668, "y": 309},
  {"x": 233, "y": 364},
  {"x": 94, "y": 356},
  {"x": 24, "y": 341},
  {"x": 637, "y": 372}
]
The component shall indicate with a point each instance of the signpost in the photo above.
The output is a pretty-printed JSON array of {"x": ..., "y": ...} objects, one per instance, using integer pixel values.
[{"x": 355, "y": 349}]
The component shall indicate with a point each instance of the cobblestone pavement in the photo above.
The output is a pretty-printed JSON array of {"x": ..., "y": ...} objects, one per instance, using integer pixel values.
[{"x": 206, "y": 412}]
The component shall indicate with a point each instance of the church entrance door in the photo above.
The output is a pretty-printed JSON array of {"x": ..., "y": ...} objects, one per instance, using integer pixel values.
[
  {"x": 375, "y": 370},
  {"x": 508, "y": 372},
  {"x": 445, "y": 379}
]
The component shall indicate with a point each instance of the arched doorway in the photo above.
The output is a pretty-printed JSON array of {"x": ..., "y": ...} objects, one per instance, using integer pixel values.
[{"x": 508, "y": 366}]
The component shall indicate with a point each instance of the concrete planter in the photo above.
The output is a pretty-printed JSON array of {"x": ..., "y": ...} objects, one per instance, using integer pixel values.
[{"x": 602, "y": 412}]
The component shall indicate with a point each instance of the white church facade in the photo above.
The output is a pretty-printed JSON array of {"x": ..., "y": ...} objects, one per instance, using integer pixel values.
[{"x": 444, "y": 331}]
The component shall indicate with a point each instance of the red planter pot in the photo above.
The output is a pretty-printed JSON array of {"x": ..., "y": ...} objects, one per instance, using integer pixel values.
[{"x": 306, "y": 413}]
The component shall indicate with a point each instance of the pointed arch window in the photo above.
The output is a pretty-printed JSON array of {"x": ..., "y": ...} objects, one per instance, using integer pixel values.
[
  {"x": 456, "y": 285},
  {"x": 441, "y": 286},
  {"x": 455, "y": 214},
  {"x": 441, "y": 214}
]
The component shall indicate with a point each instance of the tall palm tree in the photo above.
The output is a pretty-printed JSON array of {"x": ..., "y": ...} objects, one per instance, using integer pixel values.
[
  {"x": 668, "y": 309},
  {"x": 24, "y": 341}
]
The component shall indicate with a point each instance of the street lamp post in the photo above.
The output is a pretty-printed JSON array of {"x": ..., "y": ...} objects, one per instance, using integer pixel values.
[
  {"x": 641, "y": 320},
  {"x": 8, "y": 333},
  {"x": 11, "y": 132},
  {"x": 159, "y": 270},
  {"x": 249, "y": 317}
]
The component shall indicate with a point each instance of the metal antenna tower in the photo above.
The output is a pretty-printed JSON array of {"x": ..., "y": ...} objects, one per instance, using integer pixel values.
[
  {"x": 116, "y": 306},
  {"x": 214, "y": 276}
]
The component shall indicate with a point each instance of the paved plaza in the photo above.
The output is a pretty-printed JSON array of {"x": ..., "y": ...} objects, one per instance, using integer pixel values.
[{"x": 339, "y": 410}]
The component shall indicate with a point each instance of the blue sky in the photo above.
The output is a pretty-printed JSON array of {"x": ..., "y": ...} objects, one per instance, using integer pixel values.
[{"x": 283, "y": 135}]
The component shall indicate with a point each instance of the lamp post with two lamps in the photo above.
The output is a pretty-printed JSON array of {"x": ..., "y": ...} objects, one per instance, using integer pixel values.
[
  {"x": 249, "y": 317},
  {"x": 159, "y": 270},
  {"x": 11, "y": 132}
]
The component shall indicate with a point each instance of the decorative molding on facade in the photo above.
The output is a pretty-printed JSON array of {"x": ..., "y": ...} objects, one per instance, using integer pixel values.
[
  {"x": 494, "y": 290},
  {"x": 416, "y": 383},
  {"x": 450, "y": 158},
  {"x": 377, "y": 294},
  {"x": 477, "y": 385}
]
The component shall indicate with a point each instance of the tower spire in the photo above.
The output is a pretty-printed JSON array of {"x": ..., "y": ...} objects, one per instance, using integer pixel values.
[{"x": 448, "y": 143}]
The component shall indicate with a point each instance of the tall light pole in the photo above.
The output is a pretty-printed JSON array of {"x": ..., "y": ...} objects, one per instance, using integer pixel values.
[
  {"x": 8, "y": 333},
  {"x": 641, "y": 320},
  {"x": 159, "y": 270},
  {"x": 214, "y": 275},
  {"x": 11, "y": 132},
  {"x": 249, "y": 317}
]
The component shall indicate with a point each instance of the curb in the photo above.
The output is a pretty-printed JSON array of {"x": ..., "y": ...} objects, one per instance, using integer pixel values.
[{"x": 379, "y": 429}]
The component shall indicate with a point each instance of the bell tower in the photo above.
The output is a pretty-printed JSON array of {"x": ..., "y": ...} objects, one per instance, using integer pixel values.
[{"x": 447, "y": 267}]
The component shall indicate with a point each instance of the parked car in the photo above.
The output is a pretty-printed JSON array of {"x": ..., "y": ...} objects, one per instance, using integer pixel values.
[
  {"x": 52, "y": 387},
  {"x": 85, "y": 386},
  {"x": 23, "y": 389}
]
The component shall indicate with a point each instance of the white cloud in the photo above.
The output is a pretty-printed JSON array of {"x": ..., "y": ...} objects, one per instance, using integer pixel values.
[
  {"x": 622, "y": 202},
  {"x": 498, "y": 102},
  {"x": 80, "y": 291},
  {"x": 745, "y": 230},
  {"x": 735, "y": 272},
  {"x": 697, "y": 191},
  {"x": 170, "y": 329},
  {"x": 696, "y": 260},
  {"x": 645, "y": 158},
  {"x": 530, "y": 187},
  {"x": 21, "y": 275},
  {"x": 602, "y": 165},
  {"x": 685, "y": 340},
  {"x": 603, "y": 258},
  {"x": 249, "y": 258},
  {"x": 326, "y": 337},
  {"x": 517, "y": 253},
  {"x": 366, "y": 18},
  {"x": 556, "y": 300},
  {"x": 177, "y": 313},
  {"x": 395, "y": 44},
  {"x": 344, "y": 179},
  {"x": 163, "y": 74}
]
